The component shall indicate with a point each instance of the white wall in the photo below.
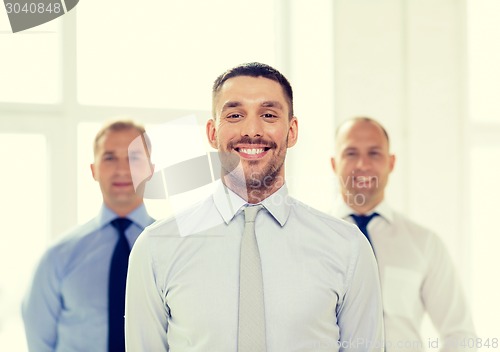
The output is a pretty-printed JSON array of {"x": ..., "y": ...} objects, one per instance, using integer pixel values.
[{"x": 403, "y": 63}]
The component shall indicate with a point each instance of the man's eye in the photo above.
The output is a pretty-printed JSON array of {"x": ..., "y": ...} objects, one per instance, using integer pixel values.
[
  {"x": 108, "y": 158},
  {"x": 234, "y": 116},
  {"x": 137, "y": 158},
  {"x": 269, "y": 116}
]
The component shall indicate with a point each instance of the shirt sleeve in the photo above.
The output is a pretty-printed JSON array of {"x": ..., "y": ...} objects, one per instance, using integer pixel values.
[
  {"x": 146, "y": 314},
  {"x": 445, "y": 302},
  {"x": 42, "y": 306},
  {"x": 359, "y": 314}
]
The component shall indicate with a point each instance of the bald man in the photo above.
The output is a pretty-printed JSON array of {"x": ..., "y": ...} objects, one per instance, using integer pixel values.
[{"x": 416, "y": 272}]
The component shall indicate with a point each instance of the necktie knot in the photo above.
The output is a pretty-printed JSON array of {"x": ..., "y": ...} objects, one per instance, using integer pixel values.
[
  {"x": 362, "y": 222},
  {"x": 251, "y": 212},
  {"x": 121, "y": 224}
]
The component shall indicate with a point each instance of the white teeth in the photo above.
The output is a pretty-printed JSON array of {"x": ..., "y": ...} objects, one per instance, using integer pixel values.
[
  {"x": 363, "y": 178},
  {"x": 252, "y": 151}
]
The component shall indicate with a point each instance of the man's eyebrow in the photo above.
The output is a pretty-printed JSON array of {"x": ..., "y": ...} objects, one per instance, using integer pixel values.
[
  {"x": 265, "y": 104},
  {"x": 349, "y": 149},
  {"x": 231, "y": 104},
  {"x": 272, "y": 104}
]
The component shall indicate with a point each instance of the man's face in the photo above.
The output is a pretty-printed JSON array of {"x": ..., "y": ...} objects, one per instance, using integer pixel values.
[
  {"x": 252, "y": 131},
  {"x": 117, "y": 159},
  {"x": 363, "y": 163}
]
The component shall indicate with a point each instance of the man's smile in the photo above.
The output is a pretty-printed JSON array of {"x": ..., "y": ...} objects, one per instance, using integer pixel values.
[{"x": 252, "y": 152}]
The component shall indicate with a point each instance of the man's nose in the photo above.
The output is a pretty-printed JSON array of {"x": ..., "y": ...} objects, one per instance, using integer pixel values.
[
  {"x": 363, "y": 163},
  {"x": 123, "y": 166},
  {"x": 252, "y": 126}
]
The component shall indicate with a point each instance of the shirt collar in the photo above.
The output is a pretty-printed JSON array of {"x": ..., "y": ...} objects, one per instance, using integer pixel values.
[
  {"x": 229, "y": 204},
  {"x": 138, "y": 216},
  {"x": 342, "y": 210}
]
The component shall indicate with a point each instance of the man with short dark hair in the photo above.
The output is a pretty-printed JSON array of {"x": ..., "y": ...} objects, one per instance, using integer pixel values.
[{"x": 251, "y": 269}]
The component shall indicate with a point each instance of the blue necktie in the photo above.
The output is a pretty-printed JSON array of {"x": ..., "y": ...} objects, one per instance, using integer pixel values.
[
  {"x": 116, "y": 289},
  {"x": 362, "y": 222}
]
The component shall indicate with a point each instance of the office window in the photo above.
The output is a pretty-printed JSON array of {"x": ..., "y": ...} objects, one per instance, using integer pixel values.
[
  {"x": 485, "y": 193},
  {"x": 484, "y": 56},
  {"x": 30, "y": 64},
  {"x": 89, "y": 196},
  {"x": 483, "y": 34},
  {"x": 166, "y": 54},
  {"x": 24, "y": 231}
]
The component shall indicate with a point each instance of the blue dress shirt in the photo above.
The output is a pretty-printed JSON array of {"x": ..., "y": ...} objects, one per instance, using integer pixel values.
[
  {"x": 66, "y": 307},
  {"x": 320, "y": 279}
]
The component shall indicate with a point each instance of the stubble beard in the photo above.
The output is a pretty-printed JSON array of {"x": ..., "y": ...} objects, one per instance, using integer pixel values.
[{"x": 250, "y": 180}]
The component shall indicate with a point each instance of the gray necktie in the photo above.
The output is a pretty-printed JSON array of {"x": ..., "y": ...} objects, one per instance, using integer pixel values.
[{"x": 252, "y": 324}]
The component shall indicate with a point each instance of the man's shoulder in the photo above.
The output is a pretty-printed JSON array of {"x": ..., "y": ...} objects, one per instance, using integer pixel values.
[
  {"x": 190, "y": 220},
  {"x": 75, "y": 235},
  {"x": 70, "y": 242},
  {"x": 411, "y": 225},
  {"x": 420, "y": 235}
]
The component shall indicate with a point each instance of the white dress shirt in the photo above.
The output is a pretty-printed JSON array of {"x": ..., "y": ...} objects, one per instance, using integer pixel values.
[
  {"x": 417, "y": 276},
  {"x": 321, "y": 286}
]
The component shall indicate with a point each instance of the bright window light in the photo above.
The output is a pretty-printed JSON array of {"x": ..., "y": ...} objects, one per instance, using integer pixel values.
[
  {"x": 30, "y": 67},
  {"x": 166, "y": 54},
  {"x": 485, "y": 239},
  {"x": 24, "y": 191},
  {"x": 484, "y": 56}
]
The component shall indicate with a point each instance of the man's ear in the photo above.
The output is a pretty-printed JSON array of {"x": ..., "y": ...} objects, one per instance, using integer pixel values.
[
  {"x": 92, "y": 168},
  {"x": 334, "y": 167},
  {"x": 293, "y": 132},
  {"x": 392, "y": 161},
  {"x": 212, "y": 133}
]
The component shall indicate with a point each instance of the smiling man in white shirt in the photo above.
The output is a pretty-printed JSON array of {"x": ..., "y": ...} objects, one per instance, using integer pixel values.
[
  {"x": 416, "y": 271},
  {"x": 188, "y": 288}
]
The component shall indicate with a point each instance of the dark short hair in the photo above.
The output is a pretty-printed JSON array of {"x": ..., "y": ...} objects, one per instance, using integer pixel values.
[
  {"x": 365, "y": 119},
  {"x": 254, "y": 69},
  {"x": 123, "y": 125}
]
